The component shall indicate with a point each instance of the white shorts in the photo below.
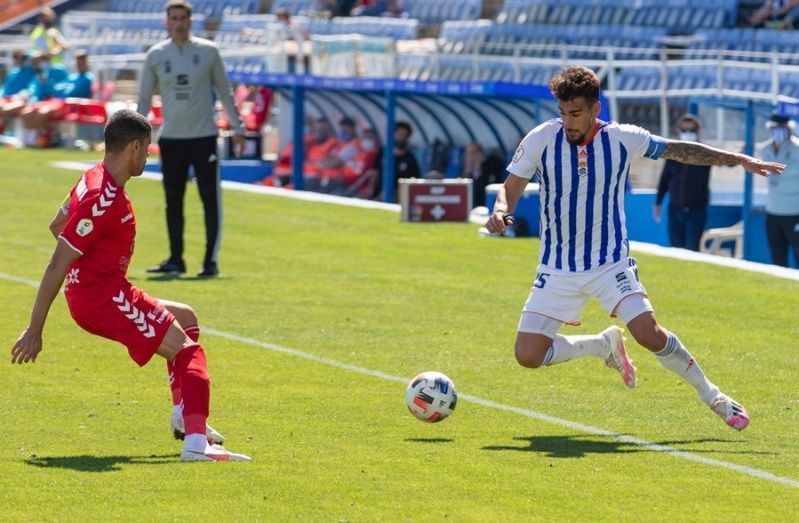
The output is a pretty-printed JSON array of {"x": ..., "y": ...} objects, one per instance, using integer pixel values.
[{"x": 563, "y": 296}]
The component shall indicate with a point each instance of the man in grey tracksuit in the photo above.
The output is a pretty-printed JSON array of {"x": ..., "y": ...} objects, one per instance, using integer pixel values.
[{"x": 188, "y": 71}]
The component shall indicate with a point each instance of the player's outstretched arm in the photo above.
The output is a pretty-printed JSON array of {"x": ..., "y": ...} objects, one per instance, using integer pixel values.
[
  {"x": 29, "y": 344},
  {"x": 695, "y": 153}
]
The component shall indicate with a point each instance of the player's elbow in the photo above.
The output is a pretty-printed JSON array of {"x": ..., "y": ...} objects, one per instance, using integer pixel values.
[{"x": 55, "y": 229}]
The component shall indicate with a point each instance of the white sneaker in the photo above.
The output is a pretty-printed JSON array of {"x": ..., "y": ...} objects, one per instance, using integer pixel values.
[
  {"x": 212, "y": 453},
  {"x": 733, "y": 413},
  {"x": 178, "y": 430},
  {"x": 618, "y": 359}
]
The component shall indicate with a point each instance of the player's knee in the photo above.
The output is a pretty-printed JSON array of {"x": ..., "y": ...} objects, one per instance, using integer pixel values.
[
  {"x": 652, "y": 337},
  {"x": 185, "y": 315},
  {"x": 528, "y": 357}
]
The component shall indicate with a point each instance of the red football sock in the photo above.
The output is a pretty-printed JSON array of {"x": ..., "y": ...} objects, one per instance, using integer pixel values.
[
  {"x": 192, "y": 370},
  {"x": 193, "y": 332},
  {"x": 174, "y": 383}
]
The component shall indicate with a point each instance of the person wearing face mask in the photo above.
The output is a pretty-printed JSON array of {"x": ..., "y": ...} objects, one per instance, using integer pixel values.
[
  {"x": 689, "y": 192},
  {"x": 405, "y": 164},
  {"x": 322, "y": 146},
  {"x": 782, "y": 204}
]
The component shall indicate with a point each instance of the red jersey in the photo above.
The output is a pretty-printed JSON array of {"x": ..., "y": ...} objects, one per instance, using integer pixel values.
[{"x": 102, "y": 227}]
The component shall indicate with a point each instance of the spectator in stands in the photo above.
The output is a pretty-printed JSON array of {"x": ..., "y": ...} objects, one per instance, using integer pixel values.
[
  {"x": 775, "y": 14},
  {"x": 318, "y": 152},
  {"x": 15, "y": 84},
  {"x": 12, "y": 107},
  {"x": 364, "y": 162},
  {"x": 689, "y": 192},
  {"x": 394, "y": 8},
  {"x": 782, "y": 204},
  {"x": 41, "y": 115},
  {"x": 347, "y": 148},
  {"x": 482, "y": 170},
  {"x": 343, "y": 7},
  {"x": 46, "y": 38},
  {"x": 189, "y": 74},
  {"x": 346, "y": 164},
  {"x": 41, "y": 89},
  {"x": 369, "y": 7},
  {"x": 405, "y": 164},
  {"x": 20, "y": 75}
]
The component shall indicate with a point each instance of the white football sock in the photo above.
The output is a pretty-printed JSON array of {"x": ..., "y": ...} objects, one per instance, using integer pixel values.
[
  {"x": 565, "y": 348},
  {"x": 677, "y": 359},
  {"x": 177, "y": 410},
  {"x": 195, "y": 442}
]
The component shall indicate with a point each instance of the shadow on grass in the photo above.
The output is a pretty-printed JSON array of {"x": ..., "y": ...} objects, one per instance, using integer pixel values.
[
  {"x": 577, "y": 446},
  {"x": 430, "y": 440},
  {"x": 183, "y": 278},
  {"x": 86, "y": 463}
]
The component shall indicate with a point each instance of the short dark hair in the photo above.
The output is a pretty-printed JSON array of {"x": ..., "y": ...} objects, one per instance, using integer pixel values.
[
  {"x": 349, "y": 122},
  {"x": 575, "y": 82},
  {"x": 404, "y": 125},
  {"x": 123, "y": 127},
  {"x": 691, "y": 118},
  {"x": 178, "y": 4}
]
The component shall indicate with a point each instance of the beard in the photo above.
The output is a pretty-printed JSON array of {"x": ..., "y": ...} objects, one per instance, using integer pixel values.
[{"x": 576, "y": 141}]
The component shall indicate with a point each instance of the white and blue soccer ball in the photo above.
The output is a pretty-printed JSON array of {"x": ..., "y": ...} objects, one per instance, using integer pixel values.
[{"x": 431, "y": 396}]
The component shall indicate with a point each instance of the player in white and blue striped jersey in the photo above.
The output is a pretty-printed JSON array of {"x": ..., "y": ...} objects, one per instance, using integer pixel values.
[{"x": 583, "y": 164}]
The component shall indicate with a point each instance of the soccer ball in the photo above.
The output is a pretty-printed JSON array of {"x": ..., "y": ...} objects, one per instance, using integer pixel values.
[{"x": 431, "y": 396}]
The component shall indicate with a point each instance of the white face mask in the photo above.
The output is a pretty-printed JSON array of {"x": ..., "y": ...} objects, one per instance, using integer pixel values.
[
  {"x": 779, "y": 134},
  {"x": 688, "y": 136},
  {"x": 368, "y": 145}
]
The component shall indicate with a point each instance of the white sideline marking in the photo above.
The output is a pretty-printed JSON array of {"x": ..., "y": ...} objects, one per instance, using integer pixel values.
[
  {"x": 581, "y": 427},
  {"x": 588, "y": 429},
  {"x": 648, "y": 248}
]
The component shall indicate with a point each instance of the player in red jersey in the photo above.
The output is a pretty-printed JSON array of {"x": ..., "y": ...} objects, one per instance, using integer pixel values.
[{"x": 95, "y": 229}]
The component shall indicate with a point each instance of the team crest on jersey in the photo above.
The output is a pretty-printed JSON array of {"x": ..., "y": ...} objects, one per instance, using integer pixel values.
[
  {"x": 72, "y": 276},
  {"x": 518, "y": 154},
  {"x": 85, "y": 226}
]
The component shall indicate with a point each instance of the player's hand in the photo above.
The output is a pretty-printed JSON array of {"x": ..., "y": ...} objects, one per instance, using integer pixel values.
[
  {"x": 27, "y": 347},
  {"x": 755, "y": 166},
  {"x": 498, "y": 221},
  {"x": 239, "y": 141},
  {"x": 656, "y": 213}
]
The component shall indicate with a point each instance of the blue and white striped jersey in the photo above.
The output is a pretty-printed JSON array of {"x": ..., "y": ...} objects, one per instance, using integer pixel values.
[{"x": 582, "y": 190}]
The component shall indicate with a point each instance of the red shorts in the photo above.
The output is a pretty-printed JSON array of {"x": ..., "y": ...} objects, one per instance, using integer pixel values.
[{"x": 129, "y": 315}]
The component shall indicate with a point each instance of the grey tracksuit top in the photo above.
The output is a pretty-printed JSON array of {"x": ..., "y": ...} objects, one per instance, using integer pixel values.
[{"x": 187, "y": 79}]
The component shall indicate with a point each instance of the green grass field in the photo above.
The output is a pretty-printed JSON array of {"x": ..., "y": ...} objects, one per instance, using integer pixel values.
[{"x": 85, "y": 431}]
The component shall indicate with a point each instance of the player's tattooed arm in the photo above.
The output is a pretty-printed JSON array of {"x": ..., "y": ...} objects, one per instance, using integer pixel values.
[{"x": 695, "y": 153}]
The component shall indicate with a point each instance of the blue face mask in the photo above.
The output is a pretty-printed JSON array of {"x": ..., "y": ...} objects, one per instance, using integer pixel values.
[
  {"x": 779, "y": 134},
  {"x": 44, "y": 67}
]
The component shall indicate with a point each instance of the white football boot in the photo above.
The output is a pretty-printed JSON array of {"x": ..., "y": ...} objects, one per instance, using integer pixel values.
[
  {"x": 212, "y": 453},
  {"x": 733, "y": 413},
  {"x": 618, "y": 358},
  {"x": 179, "y": 431}
]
